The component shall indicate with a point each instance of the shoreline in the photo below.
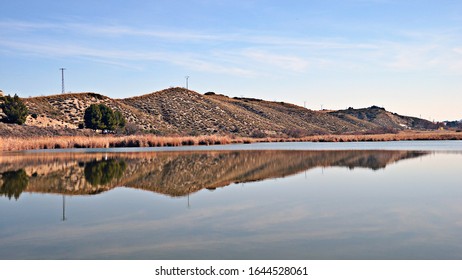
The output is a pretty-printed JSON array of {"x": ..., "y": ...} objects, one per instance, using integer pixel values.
[{"x": 111, "y": 141}]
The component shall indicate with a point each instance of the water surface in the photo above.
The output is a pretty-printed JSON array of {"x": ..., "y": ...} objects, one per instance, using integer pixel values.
[{"x": 377, "y": 201}]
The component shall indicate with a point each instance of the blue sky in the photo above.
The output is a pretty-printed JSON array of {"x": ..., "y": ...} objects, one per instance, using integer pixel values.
[{"x": 403, "y": 55}]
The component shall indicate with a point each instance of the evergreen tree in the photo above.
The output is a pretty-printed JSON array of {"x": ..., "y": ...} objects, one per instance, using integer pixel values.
[
  {"x": 100, "y": 116},
  {"x": 14, "y": 109},
  {"x": 108, "y": 120},
  {"x": 120, "y": 120},
  {"x": 93, "y": 117}
]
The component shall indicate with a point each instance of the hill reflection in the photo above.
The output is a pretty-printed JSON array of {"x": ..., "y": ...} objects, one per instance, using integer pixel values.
[{"x": 170, "y": 173}]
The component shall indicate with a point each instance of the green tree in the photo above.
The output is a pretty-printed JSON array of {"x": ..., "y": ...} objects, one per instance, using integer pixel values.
[
  {"x": 120, "y": 120},
  {"x": 100, "y": 116},
  {"x": 108, "y": 120},
  {"x": 93, "y": 117},
  {"x": 15, "y": 109}
]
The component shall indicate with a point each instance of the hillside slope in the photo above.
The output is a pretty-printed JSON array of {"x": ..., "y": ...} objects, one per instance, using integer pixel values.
[
  {"x": 377, "y": 118},
  {"x": 178, "y": 111}
]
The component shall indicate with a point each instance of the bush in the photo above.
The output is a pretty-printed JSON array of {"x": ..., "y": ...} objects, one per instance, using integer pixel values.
[
  {"x": 92, "y": 117},
  {"x": 295, "y": 132},
  {"x": 100, "y": 116},
  {"x": 15, "y": 109},
  {"x": 132, "y": 128},
  {"x": 258, "y": 134}
]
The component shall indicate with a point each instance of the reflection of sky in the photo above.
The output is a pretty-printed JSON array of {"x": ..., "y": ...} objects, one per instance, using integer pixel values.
[
  {"x": 391, "y": 145},
  {"x": 409, "y": 210}
]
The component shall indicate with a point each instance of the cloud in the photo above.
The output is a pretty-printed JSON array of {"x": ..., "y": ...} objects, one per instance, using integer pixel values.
[
  {"x": 116, "y": 57},
  {"x": 245, "y": 53},
  {"x": 289, "y": 62}
]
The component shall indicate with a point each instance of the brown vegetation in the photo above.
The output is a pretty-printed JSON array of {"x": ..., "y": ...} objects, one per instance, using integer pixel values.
[
  {"x": 178, "y": 111},
  {"x": 177, "y": 116},
  {"x": 109, "y": 141}
]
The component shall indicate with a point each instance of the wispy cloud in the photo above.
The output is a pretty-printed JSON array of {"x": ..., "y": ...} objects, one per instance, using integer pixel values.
[
  {"x": 288, "y": 62},
  {"x": 116, "y": 57},
  {"x": 241, "y": 53}
]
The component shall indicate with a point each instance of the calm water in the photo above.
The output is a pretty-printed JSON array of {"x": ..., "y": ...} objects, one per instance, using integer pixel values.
[{"x": 397, "y": 200}]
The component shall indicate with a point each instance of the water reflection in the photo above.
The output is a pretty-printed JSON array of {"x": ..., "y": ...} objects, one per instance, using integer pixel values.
[
  {"x": 104, "y": 171},
  {"x": 294, "y": 205},
  {"x": 14, "y": 183},
  {"x": 171, "y": 173}
]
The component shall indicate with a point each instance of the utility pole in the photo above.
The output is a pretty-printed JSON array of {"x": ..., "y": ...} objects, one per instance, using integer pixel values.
[
  {"x": 187, "y": 78},
  {"x": 62, "y": 79},
  {"x": 304, "y": 104}
]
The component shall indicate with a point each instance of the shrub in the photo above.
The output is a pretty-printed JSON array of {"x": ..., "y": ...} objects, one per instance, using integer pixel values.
[
  {"x": 93, "y": 117},
  {"x": 295, "y": 132},
  {"x": 15, "y": 109},
  {"x": 100, "y": 116},
  {"x": 258, "y": 134},
  {"x": 132, "y": 128}
]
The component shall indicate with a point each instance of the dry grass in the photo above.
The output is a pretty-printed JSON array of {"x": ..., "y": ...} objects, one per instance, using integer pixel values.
[
  {"x": 402, "y": 136},
  {"x": 64, "y": 142}
]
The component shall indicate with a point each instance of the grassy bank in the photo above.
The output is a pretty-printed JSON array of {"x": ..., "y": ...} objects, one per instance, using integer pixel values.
[{"x": 109, "y": 141}]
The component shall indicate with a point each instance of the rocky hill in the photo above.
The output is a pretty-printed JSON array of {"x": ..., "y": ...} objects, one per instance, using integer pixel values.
[
  {"x": 377, "y": 118},
  {"x": 178, "y": 111}
]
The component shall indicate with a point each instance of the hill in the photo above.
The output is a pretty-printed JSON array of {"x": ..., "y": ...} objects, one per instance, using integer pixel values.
[{"x": 178, "y": 111}]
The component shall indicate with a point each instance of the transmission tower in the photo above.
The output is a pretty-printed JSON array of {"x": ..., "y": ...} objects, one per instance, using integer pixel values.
[
  {"x": 187, "y": 78},
  {"x": 62, "y": 79}
]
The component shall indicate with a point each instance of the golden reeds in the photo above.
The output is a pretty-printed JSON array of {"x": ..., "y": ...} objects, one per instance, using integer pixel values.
[
  {"x": 66, "y": 142},
  {"x": 109, "y": 141}
]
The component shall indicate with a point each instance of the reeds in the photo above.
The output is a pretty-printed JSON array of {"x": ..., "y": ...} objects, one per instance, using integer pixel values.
[
  {"x": 109, "y": 141},
  {"x": 66, "y": 142}
]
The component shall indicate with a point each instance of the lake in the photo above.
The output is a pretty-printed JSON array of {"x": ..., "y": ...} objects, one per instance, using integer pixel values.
[{"x": 387, "y": 200}]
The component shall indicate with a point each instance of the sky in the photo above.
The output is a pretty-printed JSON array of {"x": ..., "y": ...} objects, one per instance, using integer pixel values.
[{"x": 403, "y": 55}]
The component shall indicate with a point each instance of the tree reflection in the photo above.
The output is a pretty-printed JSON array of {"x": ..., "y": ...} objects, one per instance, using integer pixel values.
[
  {"x": 178, "y": 173},
  {"x": 14, "y": 183},
  {"x": 103, "y": 172}
]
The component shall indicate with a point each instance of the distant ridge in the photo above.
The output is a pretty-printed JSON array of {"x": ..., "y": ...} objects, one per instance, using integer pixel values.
[{"x": 179, "y": 111}]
